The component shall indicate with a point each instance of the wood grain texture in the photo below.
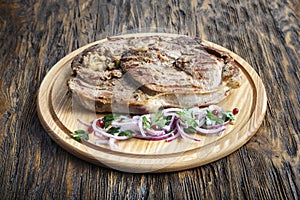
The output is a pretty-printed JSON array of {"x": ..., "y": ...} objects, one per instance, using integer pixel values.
[{"x": 34, "y": 35}]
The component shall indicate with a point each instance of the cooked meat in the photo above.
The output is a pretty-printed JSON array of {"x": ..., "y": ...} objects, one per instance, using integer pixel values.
[
  {"x": 195, "y": 70},
  {"x": 156, "y": 72},
  {"x": 142, "y": 74}
]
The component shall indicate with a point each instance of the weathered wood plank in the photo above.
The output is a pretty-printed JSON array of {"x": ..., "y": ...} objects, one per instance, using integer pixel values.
[{"x": 34, "y": 35}]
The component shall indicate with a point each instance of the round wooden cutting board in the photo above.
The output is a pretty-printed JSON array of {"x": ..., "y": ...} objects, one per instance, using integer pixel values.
[{"x": 59, "y": 115}]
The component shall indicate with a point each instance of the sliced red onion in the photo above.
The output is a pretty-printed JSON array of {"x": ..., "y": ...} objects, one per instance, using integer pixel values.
[
  {"x": 168, "y": 110},
  {"x": 162, "y": 137},
  {"x": 200, "y": 122},
  {"x": 182, "y": 123},
  {"x": 101, "y": 132},
  {"x": 175, "y": 136},
  {"x": 185, "y": 135},
  {"x": 124, "y": 117},
  {"x": 198, "y": 111},
  {"x": 210, "y": 131},
  {"x": 155, "y": 132},
  {"x": 112, "y": 143},
  {"x": 134, "y": 130},
  {"x": 171, "y": 124},
  {"x": 101, "y": 141},
  {"x": 215, "y": 107},
  {"x": 217, "y": 125},
  {"x": 136, "y": 117},
  {"x": 140, "y": 124},
  {"x": 201, "y": 114},
  {"x": 129, "y": 125},
  {"x": 177, "y": 125},
  {"x": 218, "y": 108}
]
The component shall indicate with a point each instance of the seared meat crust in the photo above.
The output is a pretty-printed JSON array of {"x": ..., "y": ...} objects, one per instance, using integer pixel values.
[{"x": 142, "y": 74}]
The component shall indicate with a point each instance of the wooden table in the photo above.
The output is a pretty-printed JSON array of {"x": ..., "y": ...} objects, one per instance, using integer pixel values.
[{"x": 34, "y": 35}]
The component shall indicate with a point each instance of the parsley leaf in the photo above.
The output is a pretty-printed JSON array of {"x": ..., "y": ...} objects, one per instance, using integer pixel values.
[
  {"x": 158, "y": 119},
  {"x": 228, "y": 116},
  {"x": 188, "y": 117},
  {"x": 126, "y": 133},
  {"x": 190, "y": 130},
  {"x": 80, "y": 134},
  {"x": 146, "y": 124},
  {"x": 108, "y": 119},
  {"x": 212, "y": 119},
  {"x": 113, "y": 130}
]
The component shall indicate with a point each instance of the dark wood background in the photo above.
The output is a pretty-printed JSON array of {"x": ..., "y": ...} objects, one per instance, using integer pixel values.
[{"x": 35, "y": 34}]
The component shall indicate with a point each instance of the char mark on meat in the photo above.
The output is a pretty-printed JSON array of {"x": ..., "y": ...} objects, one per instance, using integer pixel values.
[{"x": 142, "y": 74}]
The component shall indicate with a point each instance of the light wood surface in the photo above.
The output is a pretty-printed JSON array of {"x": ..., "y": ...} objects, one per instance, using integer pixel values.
[{"x": 59, "y": 114}]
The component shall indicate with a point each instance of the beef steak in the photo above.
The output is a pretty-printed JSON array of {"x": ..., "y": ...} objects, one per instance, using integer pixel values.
[{"x": 142, "y": 74}]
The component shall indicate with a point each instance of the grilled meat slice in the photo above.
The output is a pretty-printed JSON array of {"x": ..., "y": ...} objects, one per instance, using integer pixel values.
[{"x": 141, "y": 74}]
